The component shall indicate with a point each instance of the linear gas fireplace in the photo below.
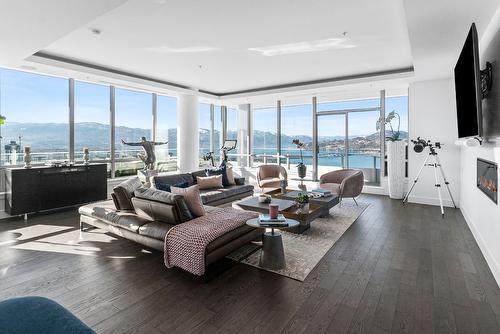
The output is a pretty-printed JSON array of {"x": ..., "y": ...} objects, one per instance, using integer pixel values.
[{"x": 487, "y": 178}]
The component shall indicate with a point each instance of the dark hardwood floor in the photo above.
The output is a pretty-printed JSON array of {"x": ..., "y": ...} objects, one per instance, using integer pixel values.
[{"x": 396, "y": 270}]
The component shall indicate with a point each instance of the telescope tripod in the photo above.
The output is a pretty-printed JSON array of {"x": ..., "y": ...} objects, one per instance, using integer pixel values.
[{"x": 432, "y": 160}]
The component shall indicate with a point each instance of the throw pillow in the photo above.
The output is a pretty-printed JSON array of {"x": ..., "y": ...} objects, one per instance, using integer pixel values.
[
  {"x": 209, "y": 182},
  {"x": 230, "y": 176},
  {"x": 193, "y": 200},
  {"x": 219, "y": 171}
]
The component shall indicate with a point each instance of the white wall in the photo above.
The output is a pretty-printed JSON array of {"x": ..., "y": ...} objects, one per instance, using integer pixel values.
[
  {"x": 432, "y": 116},
  {"x": 482, "y": 214}
]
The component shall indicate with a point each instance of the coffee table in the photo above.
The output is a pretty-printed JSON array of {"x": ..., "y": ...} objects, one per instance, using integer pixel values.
[
  {"x": 287, "y": 208},
  {"x": 325, "y": 202},
  {"x": 272, "y": 255}
]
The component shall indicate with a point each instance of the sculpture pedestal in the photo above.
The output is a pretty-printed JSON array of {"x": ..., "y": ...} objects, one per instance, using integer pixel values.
[{"x": 146, "y": 175}]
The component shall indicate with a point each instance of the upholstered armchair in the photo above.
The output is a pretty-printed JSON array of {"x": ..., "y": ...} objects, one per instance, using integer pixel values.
[
  {"x": 344, "y": 183},
  {"x": 270, "y": 176}
]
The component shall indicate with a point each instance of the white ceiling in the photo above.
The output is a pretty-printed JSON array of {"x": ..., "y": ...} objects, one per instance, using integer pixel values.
[
  {"x": 208, "y": 45},
  {"x": 438, "y": 29}
]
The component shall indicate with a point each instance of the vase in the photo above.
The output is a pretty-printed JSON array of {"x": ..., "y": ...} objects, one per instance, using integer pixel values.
[
  {"x": 396, "y": 168},
  {"x": 27, "y": 160},
  {"x": 301, "y": 170},
  {"x": 86, "y": 158},
  {"x": 304, "y": 208}
]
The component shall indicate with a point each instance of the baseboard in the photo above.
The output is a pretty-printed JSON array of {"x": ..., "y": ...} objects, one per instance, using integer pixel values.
[
  {"x": 373, "y": 190},
  {"x": 490, "y": 259},
  {"x": 431, "y": 201}
]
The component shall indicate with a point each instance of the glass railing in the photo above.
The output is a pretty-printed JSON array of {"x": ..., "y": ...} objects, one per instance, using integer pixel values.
[{"x": 126, "y": 161}]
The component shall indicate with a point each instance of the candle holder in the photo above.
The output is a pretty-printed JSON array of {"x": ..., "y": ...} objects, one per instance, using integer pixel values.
[{"x": 27, "y": 157}]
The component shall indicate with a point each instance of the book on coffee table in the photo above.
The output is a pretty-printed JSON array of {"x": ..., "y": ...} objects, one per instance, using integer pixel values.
[
  {"x": 322, "y": 192},
  {"x": 265, "y": 218}
]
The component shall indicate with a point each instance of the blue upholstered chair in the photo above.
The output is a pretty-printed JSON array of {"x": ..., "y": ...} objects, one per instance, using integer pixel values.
[{"x": 38, "y": 315}]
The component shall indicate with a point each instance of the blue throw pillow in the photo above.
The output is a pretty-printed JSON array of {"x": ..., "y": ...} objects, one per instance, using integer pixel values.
[
  {"x": 219, "y": 171},
  {"x": 167, "y": 187}
]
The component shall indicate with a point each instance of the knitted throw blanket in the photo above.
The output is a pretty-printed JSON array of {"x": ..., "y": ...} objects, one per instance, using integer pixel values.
[{"x": 185, "y": 244}]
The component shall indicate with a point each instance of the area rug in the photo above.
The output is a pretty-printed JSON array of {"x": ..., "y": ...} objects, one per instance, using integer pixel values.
[{"x": 304, "y": 251}]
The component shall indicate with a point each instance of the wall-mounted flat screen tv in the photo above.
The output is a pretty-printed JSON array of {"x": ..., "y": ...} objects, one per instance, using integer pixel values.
[{"x": 468, "y": 88}]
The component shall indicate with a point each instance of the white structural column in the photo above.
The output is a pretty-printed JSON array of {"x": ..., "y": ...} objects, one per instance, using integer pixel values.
[
  {"x": 187, "y": 133},
  {"x": 244, "y": 117}
]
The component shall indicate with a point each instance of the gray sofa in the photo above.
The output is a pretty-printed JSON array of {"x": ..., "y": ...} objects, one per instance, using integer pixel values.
[
  {"x": 146, "y": 215},
  {"x": 212, "y": 197}
]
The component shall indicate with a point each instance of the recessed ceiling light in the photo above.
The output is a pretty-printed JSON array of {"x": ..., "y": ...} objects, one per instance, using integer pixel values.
[{"x": 301, "y": 47}]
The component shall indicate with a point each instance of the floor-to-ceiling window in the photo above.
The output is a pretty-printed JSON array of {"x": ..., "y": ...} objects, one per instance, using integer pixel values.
[
  {"x": 36, "y": 114},
  {"x": 296, "y": 123},
  {"x": 348, "y": 137},
  {"x": 166, "y": 132},
  {"x": 92, "y": 116},
  {"x": 264, "y": 135},
  {"x": 205, "y": 132},
  {"x": 232, "y": 131},
  {"x": 133, "y": 120}
]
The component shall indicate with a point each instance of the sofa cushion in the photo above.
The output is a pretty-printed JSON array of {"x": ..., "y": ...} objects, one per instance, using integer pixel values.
[
  {"x": 106, "y": 212},
  {"x": 124, "y": 193},
  {"x": 214, "y": 195},
  {"x": 209, "y": 182},
  {"x": 172, "y": 179},
  {"x": 163, "y": 213},
  {"x": 155, "y": 230},
  {"x": 193, "y": 200}
]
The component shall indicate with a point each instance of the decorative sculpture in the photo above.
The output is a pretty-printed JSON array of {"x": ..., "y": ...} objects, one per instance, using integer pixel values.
[{"x": 148, "y": 157}]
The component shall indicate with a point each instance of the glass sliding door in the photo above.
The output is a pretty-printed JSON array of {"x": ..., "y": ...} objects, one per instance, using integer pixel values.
[
  {"x": 364, "y": 144},
  {"x": 296, "y": 123},
  {"x": 264, "y": 134},
  {"x": 166, "y": 155},
  {"x": 332, "y": 142}
]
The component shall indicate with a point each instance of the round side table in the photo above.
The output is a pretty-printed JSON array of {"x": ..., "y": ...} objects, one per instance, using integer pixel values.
[{"x": 272, "y": 255}]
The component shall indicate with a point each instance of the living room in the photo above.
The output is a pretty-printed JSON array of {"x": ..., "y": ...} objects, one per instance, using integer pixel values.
[{"x": 181, "y": 166}]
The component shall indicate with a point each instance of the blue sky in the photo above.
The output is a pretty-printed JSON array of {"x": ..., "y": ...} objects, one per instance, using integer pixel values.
[
  {"x": 29, "y": 97},
  {"x": 297, "y": 120}
]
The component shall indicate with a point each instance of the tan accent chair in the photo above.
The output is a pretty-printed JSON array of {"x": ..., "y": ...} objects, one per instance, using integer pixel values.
[
  {"x": 344, "y": 183},
  {"x": 270, "y": 176}
]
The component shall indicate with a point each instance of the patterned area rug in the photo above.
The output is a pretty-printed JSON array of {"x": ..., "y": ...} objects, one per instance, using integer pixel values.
[{"x": 304, "y": 251}]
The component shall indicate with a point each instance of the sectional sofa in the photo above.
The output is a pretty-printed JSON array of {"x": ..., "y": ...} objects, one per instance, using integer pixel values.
[{"x": 146, "y": 215}]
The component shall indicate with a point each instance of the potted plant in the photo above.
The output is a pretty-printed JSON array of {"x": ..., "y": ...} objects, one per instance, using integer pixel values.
[
  {"x": 301, "y": 168},
  {"x": 302, "y": 201},
  {"x": 395, "y": 155}
]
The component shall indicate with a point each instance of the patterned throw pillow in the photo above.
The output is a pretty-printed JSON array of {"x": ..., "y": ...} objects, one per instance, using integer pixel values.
[
  {"x": 209, "y": 182},
  {"x": 193, "y": 200}
]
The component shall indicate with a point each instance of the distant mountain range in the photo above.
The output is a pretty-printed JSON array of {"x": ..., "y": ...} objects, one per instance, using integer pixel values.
[{"x": 46, "y": 137}]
